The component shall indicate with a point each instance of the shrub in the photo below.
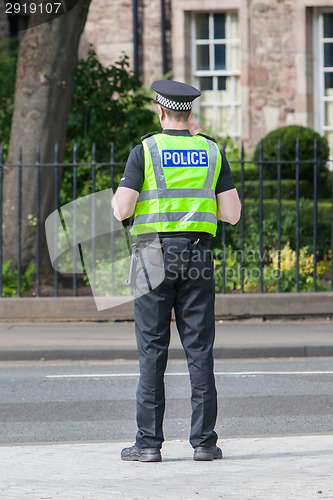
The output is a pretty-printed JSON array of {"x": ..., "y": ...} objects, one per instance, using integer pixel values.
[
  {"x": 109, "y": 104},
  {"x": 288, "y": 226},
  {"x": 251, "y": 270},
  {"x": 251, "y": 171},
  {"x": 288, "y": 136},
  {"x": 103, "y": 277},
  {"x": 9, "y": 279},
  {"x": 270, "y": 189}
]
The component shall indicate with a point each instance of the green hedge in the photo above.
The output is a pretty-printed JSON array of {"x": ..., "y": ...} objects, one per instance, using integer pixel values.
[
  {"x": 288, "y": 137},
  {"x": 288, "y": 225},
  {"x": 270, "y": 189},
  {"x": 251, "y": 171}
]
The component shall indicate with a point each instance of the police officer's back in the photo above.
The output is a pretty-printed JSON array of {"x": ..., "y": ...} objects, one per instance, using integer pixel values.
[{"x": 177, "y": 186}]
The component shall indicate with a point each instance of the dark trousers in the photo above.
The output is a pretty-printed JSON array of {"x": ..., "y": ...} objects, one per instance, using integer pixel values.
[{"x": 188, "y": 287}]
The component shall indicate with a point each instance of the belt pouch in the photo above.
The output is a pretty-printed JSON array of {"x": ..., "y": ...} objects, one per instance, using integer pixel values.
[{"x": 176, "y": 254}]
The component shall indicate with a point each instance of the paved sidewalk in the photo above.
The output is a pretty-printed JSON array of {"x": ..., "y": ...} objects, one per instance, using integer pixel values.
[
  {"x": 289, "y": 467},
  {"x": 103, "y": 340}
]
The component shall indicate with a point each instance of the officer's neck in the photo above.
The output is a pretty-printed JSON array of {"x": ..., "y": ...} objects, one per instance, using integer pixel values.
[{"x": 168, "y": 124}]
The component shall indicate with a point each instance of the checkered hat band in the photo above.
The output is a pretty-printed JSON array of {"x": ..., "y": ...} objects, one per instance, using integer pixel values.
[{"x": 175, "y": 105}]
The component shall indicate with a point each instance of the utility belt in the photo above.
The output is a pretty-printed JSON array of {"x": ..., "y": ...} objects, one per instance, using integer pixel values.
[
  {"x": 143, "y": 240},
  {"x": 159, "y": 252}
]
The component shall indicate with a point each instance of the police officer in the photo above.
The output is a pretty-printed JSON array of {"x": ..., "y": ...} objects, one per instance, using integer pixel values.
[{"x": 176, "y": 185}]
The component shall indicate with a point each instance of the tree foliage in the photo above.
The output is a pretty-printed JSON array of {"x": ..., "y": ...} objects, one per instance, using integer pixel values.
[{"x": 109, "y": 105}]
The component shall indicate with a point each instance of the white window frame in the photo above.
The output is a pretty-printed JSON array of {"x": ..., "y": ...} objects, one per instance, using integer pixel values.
[
  {"x": 319, "y": 70},
  {"x": 232, "y": 74}
]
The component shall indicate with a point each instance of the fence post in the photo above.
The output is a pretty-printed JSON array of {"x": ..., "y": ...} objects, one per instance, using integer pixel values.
[
  {"x": 1, "y": 190},
  {"x": 332, "y": 236},
  {"x": 242, "y": 218},
  {"x": 315, "y": 168},
  {"x": 38, "y": 221},
  {"x": 93, "y": 216},
  {"x": 223, "y": 246},
  {"x": 56, "y": 207},
  {"x": 260, "y": 215},
  {"x": 19, "y": 212},
  {"x": 74, "y": 219},
  {"x": 112, "y": 167},
  {"x": 297, "y": 215},
  {"x": 111, "y": 218},
  {"x": 279, "y": 214}
]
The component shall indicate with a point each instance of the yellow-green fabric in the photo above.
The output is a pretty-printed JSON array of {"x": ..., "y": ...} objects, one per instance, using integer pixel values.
[{"x": 178, "y": 193}]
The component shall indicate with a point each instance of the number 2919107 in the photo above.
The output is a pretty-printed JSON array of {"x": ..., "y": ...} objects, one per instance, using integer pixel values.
[{"x": 32, "y": 8}]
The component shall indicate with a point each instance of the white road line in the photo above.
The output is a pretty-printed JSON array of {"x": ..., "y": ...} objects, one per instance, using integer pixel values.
[{"x": 230, "y": 374}]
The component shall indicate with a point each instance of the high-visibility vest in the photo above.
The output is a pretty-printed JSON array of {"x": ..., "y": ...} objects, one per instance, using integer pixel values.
[{"x": 178, "y": 193}]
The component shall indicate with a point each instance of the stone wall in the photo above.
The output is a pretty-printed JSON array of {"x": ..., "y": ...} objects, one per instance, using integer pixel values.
[
  {"x": 109, "y": 30},
  {"x": 152, "y": 41},
  {"x": 277, "y": 67},
  {"x": 273, "y": 71},
  {"x": 276, "y": 51}
]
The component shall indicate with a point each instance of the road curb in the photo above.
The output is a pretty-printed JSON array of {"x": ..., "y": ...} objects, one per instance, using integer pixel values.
[
  {"x": 131, "y": 354},
  {"x": 228, "y": 306}
]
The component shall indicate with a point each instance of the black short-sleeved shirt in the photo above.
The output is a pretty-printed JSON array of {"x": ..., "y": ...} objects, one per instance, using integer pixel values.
[{"x": 133, "y": 178}]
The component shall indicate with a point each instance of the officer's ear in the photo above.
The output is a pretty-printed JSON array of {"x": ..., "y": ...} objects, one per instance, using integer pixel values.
[{"x": 161, "y": 113}]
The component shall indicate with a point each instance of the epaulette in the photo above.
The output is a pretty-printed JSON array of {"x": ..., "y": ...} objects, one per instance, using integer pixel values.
[
  {"x": 148, "y": 135},
  {"x": 208, "y": 137}
]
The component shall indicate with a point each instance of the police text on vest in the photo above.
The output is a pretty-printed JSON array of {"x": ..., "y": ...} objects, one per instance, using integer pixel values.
[{"x": 184, "y": 158}]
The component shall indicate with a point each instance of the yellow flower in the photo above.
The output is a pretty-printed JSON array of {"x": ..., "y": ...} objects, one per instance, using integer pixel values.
[{"x": 288, "y": 259}]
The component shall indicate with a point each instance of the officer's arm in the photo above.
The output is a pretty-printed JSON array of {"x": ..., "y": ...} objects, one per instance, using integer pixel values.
[
  {"x": 123, "y": 202},
  {"x": 228, "y": 206}
]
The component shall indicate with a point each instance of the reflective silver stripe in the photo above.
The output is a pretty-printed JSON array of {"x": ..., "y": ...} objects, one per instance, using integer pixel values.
[
  {"x": 156, "y": 161},
  {"x": 175, "y": 217},
  {"x": 187, "y": 217},
  {"x": 153, "y": 194},
  {"x": 212, "y": 164}
]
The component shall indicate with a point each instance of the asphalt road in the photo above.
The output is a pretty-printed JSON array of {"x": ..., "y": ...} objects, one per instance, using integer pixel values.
[{"x": 95, "y": 401}]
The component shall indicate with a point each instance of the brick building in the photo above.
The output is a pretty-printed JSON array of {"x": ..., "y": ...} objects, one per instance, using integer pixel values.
[{"x": 260, "y": 64}]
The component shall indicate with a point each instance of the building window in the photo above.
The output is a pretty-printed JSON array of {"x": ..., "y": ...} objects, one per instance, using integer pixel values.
[
  {"x": 323, "y": 71},
  {"x": 216, "y": 71}
]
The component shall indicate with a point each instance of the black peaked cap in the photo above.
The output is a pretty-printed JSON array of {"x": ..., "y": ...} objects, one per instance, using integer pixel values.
[{"x": 176, "y": 91}]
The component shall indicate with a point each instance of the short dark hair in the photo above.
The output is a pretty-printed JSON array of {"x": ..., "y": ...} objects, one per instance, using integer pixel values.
[{"x": 179, "y": 116}]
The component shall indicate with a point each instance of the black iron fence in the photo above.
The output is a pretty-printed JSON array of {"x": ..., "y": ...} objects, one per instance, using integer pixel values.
[
  {"x": 265, "y": 226},
  {"x": 295, "y": 199}
]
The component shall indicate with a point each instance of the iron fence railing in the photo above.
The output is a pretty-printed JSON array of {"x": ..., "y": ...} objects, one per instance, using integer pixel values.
[{"x": 115, "y": 168}]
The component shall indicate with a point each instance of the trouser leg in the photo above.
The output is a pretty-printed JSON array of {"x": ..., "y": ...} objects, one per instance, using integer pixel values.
[
  {"x": 152, "y": 326},
  {"x": 195, "y": 319}
]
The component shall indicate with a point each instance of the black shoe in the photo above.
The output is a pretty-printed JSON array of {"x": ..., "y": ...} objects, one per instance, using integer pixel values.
[
  {"x": 202, "y": 453},
  {"x": 141, "y": 454}
]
